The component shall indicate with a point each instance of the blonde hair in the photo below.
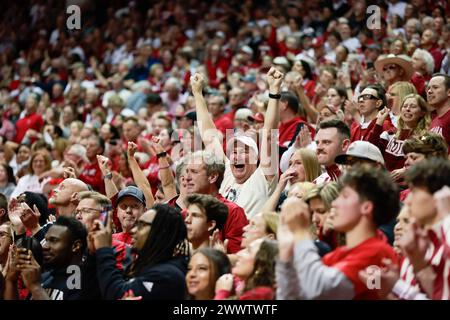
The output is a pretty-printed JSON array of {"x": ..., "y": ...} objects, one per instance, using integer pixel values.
[
  {"x": 306, "y": 187},
  {"x": 310, "y": 163},
  {"x": 404, "y": 88},
  {"x": 271, "y": 219},
  {"x": 424, "y": 121},
  {"x": 326, "y": 192}
]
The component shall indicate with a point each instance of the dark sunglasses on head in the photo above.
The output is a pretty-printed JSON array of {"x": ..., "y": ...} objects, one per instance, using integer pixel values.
[{"x": 367, "y": 96}]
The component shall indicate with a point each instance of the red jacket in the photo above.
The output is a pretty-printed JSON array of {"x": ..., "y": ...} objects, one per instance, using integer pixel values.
[
  {"x": 288, "y": 129},
  {"x": 31, "y": 121}
]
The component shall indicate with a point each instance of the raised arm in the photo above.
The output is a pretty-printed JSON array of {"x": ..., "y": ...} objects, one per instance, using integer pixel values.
[
  {"x": 165, "y": 172},
  {"x": 110, "y": 187},
  {"x": 208, "y": 131},
  {"x": 138, "y": 175},
  {"x": 311, "y": 112},
  {"x": 272, "y": 118}
]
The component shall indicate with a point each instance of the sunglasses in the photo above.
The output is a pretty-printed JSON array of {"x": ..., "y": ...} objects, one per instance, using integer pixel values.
[
  {"x": 390, "y": 67},
  {"x": 367, "y": 96}
]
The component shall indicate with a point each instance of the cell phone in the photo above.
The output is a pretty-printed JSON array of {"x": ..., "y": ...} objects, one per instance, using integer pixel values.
[
  {"x": 370, "y": 65},
  {"x": 27, "y": 243},
  {"x": 104, "y": 215}
]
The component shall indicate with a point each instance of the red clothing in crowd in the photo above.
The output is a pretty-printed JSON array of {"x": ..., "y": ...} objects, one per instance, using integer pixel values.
[
  {"x": 236, "y": 221},
  {"x": 362, "y": 131},
  {"x": 232, "y": 230},
  {"x": 439, "y": 259},
  {"x": 407, "y": 273},
  {"x": 390, "y": 146},
  {"x": 441, "y": 125},
  {"x": 404, "y": 194},
  {"x": 352, "y": 260},
  {"x": 223, "y": 123},
  {"x": 310, "y": 88},
  {"x": 92, "y": 175},
  {"x": 123, "y": 259},
  {"x": 288, "y": 129},
  {"x": 31, "y": 121},
  {"x": 332, "y": 173},
  {"x": 122, "y": 237},
  {"x": 437, "y": 55},
  {"x": 215, "y": 68},
  {"x": 419, "y": 81},
  {"x": 258, "y": 293}
]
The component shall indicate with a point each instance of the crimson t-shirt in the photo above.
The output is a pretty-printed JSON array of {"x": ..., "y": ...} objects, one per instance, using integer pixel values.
[
  {"x": 441, "y": 125},
  {"x": 352, "y": 260}
]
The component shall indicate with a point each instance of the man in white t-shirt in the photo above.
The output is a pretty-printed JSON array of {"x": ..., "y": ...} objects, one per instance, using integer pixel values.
[{"x": 245, "y": 182}]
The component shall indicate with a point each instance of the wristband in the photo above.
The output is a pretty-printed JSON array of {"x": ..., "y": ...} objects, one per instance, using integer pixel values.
[
  {"x": 161, "y": 155},
  {"x": 107, "y": 176},
  {"x": 275, "y": 96}
]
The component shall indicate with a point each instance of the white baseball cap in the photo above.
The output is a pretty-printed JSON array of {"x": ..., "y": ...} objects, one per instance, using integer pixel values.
[
  {"x": 243, "y": 114},
  {"x": 246, "y": 140},
  {"x": 361, "y": 150}
]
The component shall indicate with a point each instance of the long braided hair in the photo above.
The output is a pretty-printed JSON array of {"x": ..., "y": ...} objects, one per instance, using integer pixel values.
[{"x": 167, "y": 239}]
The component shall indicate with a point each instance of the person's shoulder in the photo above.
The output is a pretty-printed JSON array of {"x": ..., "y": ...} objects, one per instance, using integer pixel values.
[
  {"x": 232, "y": 206},
  {"x": 173, "y": 267}
]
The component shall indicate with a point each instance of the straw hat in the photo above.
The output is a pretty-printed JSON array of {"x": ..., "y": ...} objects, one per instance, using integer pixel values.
[{"x": 401, "y": 60}]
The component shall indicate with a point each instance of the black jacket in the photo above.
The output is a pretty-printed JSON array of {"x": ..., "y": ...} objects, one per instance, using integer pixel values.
[{"x": 164, "y": 281}]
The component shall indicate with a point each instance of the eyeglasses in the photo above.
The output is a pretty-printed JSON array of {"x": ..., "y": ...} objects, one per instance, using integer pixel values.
[
  {"x": 390, "y": 67},
  {"x": 140, "y": 224},
  {"x": 87, "y": 211},
  {"x": 367, "y": 96}
]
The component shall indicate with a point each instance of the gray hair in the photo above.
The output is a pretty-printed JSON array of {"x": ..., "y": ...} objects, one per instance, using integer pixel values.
[
  {"x": 212, "y": 164},
  {"x": 427, "y": 58}
]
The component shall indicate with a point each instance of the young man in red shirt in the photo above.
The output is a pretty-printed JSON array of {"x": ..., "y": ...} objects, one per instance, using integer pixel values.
[
  {"x": 438, "y": 97},
  {"x": 367, "y": 200}
]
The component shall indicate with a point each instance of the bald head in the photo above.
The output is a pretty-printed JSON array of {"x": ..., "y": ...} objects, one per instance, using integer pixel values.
[{"x": 66, "y": 192}]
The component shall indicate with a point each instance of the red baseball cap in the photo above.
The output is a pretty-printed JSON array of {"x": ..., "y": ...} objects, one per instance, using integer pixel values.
[{"x": 258, "y": 117}]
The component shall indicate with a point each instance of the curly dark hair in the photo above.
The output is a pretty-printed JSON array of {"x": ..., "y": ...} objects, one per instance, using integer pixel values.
[{"x": 264, "y": 269}]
